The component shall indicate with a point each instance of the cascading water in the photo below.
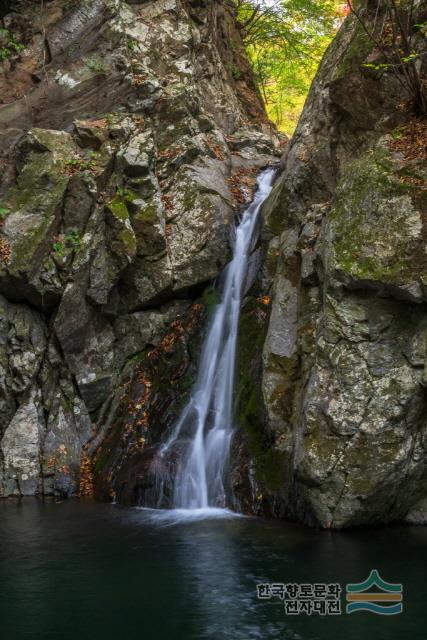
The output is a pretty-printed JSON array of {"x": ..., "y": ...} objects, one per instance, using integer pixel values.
[{"x": 202, "y": 435}]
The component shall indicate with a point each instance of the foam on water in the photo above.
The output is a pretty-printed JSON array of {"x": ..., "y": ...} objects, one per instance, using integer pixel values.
[{"x": 179, "y": 516}]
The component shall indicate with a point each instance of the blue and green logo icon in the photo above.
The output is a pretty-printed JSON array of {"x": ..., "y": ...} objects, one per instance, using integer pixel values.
[{"x": 386, "y": 600}]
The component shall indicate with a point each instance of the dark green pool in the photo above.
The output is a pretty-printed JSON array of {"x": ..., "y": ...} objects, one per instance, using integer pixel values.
[{"x": 81, "y": 570}]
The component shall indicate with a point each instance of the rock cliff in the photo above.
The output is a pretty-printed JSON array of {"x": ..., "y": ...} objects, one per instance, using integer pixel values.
[
  {"x": 128, "y": 132},
  {"x": 344, "y": 378}
]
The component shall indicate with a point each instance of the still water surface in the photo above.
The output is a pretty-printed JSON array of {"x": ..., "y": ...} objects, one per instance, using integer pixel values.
[{"x": 86, "y": 571}]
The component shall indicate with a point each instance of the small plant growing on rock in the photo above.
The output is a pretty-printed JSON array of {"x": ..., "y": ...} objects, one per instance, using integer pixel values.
[
  {"x": 125, "y": 194},
  {"x": 132, "y": 45},
  {"x": 8, "y": 44},
  {"x": 122, "y": 192},
  {"x": 75, "y": 165},
  {"x": 58, "y": 248},
  {"x": 73, "y": 239},
  {"x": 64, "y": 243}
]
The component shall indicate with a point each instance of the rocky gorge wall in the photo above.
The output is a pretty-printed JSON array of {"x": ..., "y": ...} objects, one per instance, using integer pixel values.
[
  {"x": 344, "y": 361},
  {"x": 130, "y": 134}
]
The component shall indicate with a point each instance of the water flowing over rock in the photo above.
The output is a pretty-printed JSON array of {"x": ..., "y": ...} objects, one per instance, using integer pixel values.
[{"x": 199, "y": 445}]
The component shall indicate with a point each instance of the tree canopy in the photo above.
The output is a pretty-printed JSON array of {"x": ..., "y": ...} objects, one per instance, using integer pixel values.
[{"x": 285, "y": 41}]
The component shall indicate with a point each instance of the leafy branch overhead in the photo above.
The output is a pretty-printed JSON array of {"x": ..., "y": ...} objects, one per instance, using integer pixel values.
[
  {"x": 285, "y": 40},
  {"x": 393, "y": 31}
]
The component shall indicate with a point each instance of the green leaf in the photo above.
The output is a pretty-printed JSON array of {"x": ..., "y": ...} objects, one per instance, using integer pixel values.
[{"x": 58, "y": 248}]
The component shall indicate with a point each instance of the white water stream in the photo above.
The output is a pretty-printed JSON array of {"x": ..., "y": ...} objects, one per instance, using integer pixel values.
[{"x": 205, "y": 428}]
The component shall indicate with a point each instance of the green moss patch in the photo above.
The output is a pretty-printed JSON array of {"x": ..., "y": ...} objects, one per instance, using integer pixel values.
[
  {"x": 376, "y": 228},
  {"x": 356, "y": 53},
  {"x": 250, "y": 411}
]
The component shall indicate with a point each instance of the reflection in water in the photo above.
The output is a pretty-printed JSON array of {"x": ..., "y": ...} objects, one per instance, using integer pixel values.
[
  {"x": 86, "y": 571},
  {"x": 214, "y": 564}
]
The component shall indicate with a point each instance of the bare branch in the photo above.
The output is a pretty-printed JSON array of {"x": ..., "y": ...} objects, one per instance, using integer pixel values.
[{"x": 249, "y": 21}]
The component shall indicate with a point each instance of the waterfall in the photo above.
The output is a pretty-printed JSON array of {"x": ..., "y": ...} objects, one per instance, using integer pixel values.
[{"x": 201, "y": 438}]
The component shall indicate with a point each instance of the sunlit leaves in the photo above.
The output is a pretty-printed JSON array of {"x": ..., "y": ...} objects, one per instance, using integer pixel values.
[{"x": 285, "y": 40}]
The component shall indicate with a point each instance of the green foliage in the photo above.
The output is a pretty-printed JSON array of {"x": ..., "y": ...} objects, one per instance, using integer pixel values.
[
  {"x": 383, "y": 66},
  {"x": 131, "y": 44},
  {"x": 80, "y": 164},
  {"x": 64, "y": 244},
  {"x": 285, "y": 41},
  {"x": 4, "y": 211},
  {"x": 73, "y": 238},
  {"x": 126, "y": 194},
  {"x": 8, "y": 44},
  {"x": 234, "y": 71},
  {"x": 58, "y": 248},
  {"x": 421, "y": 26}
]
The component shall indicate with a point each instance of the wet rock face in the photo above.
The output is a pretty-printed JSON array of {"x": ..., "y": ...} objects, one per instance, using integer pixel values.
[
  {"x": 345, "y": 355},
  {"x": 153, "y": 389},
  {"x": 121, "y": 127}
]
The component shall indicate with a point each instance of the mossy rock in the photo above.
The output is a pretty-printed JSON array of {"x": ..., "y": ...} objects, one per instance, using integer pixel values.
[
  {"x": 376, "y": 226},
  {"x": 46, "y": 161},
  {"x": 118, "y": 208},
  {"x": 360, "y": 46},
  {"x": 35, "y": 206},
  {"x": 149, "y": 226},
  {"x": 250, "y": 412},
  {"x": 148, "y": 214},
  {"x": 128, "y": 242}
]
